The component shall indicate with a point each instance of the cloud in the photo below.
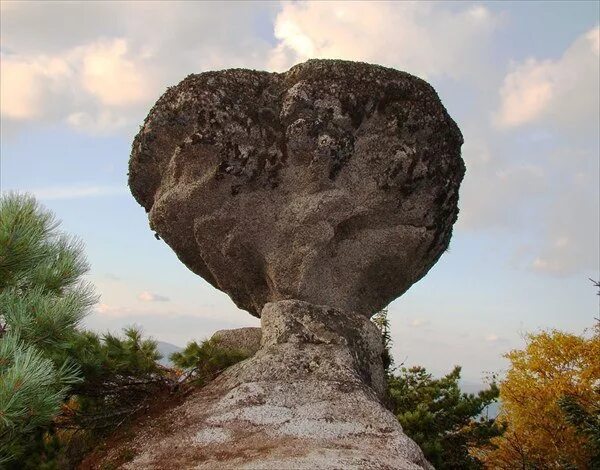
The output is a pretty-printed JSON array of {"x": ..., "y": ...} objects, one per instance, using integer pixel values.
[
  {"x": 562, "y": 92},
  {"x": 418, "y": 323},
  {"x": 112, "y": 77},
  {"x": 545, "y": 201},
  {"x": 76, "y": 192},
  {"x": 96, "y": 87},
  {"x": 540, "y": 183},
  {"x": 26, "y": 81},
  {"x": 102, "y": 122},
  {"x": 111, "y": 310},
  {"x": 422, "y": 38},
  {"x": 102, "y": 70},
  {"x": 151, "y": 297},
  {"x": 494, "y": 338}
]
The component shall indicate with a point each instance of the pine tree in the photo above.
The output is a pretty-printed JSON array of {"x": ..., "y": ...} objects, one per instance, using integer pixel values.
[
  {"x": 444, "y": 421},
  {"x": 204, "y": 361},
  {"x": 42, "y": 300},
  {"x": 121, "y": 377}
]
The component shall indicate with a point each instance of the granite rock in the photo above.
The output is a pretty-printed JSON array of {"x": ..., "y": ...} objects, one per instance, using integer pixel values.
[
  {"x": 334, "y": 183},
  {"x": 245, "y": 340},
  {"x": 310, "y": 398}
]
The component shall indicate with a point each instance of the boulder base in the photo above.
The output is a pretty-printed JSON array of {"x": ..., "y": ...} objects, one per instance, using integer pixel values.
[
  {"x": 308, "y": 399},
  {"x": 245, "y": 340}
]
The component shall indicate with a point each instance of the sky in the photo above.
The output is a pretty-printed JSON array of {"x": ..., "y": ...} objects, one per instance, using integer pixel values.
[{"x": 521, "y": 79}]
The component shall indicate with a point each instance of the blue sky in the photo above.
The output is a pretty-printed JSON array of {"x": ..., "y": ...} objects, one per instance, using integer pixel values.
[{"x": 520, "y": 78}]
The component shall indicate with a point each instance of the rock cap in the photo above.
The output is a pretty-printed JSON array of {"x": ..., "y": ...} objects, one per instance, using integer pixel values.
[{"x": 334, "y": 183}]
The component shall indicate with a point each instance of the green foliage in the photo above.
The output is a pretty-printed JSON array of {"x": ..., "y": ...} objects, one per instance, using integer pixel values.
[
  {"x": 111, "y": 355},
  {"x": 33, "y": 254},
  {"x": 382, "y": 322},
  {"x": 62, "y": 388},
  {"x": 206, "y": 360},
  {"x": 121, "y": 375},
  {"x": 24, "y": 230},
  {"x": 585, "y": 418},
  {"x": 42, "y": 300},
  {"x": 444, "y": 421},
  {"x": 31, "y": 393}
]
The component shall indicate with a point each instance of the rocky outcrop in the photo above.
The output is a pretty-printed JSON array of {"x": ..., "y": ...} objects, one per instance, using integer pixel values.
[
  {"x": 245, "y": 340},
  {"x": 308, "y": 399},
  {"x": 313, "y": 198},
  {"x": 334, "y": 183}
]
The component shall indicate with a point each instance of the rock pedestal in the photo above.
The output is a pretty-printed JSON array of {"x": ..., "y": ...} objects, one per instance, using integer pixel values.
[
  {"x": 333, "y": 183},
  {"x": 308, "y": 399}
]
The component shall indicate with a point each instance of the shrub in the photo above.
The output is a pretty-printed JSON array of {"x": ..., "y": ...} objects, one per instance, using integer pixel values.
[{"x": 203, "y": 362}]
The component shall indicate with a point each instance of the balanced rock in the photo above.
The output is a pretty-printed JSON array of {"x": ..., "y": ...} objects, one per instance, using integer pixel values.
[{"x": 334, "y": 183}]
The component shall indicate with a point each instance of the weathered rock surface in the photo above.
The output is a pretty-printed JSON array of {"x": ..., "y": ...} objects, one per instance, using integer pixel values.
[
  {"x": 246, "y": 340},
  {"x": 334, "y": 183},
  {"x": 308, "y": 399}
]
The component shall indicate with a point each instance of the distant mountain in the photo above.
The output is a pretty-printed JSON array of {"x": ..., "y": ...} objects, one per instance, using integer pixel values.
[{"x": 165, "y": 350}]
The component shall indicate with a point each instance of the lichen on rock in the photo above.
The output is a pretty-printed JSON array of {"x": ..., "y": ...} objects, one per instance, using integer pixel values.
[{"x": 335, "y": 182}]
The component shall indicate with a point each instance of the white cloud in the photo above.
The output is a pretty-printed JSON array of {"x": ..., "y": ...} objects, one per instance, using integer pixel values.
[
  {"x": 6, "y": 5},
  {"x": 108, "y": 74},
  {"x": 418, "y": 323},
  {"x": 26, "y": 81},
  {"x": 102, "y": 76},
  {"x": 563, "y": 92},
  {"x": 494, "y": 338},
  {"x": 419, "y": 37},
  {"x": 96, "y": 87},
  {"x": 111, "y": 310},
  {"x": 100, "y": 123},
  {"x": 102, "y": 69},
  {"x": 550, "y": 206},
  {"x": 151, "y": 297},
  {"x": 526, "y": 93}
]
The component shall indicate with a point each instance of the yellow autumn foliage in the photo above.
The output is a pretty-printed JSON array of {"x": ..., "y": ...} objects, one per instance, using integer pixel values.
[{"x": 553, "y": 364}]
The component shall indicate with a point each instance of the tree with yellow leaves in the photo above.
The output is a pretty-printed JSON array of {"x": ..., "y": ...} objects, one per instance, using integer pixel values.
[{"x": 555, "y": 373}]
